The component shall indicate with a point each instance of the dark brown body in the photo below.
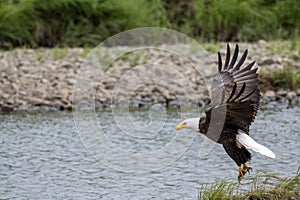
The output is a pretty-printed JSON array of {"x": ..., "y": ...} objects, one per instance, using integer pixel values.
[{"x": 227, "y": 138}]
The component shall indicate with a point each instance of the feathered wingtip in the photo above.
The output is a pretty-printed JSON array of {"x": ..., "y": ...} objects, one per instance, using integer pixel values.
[{"x": 231, "y": 65}]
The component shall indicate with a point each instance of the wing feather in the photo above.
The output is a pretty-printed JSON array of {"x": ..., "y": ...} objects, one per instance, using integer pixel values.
[
  {"x": 240, "y": 93},
  {"x": 232, "y": 93},
  {"x": 253, "y": 71},
  {"x": 248, "y": 67},
  {"x": 227, "y": 57},
  {"x": 234, "y": 57},
  {"x": 235, "y": 91},
  {"x": 242, "y": 60},
  {"x": 220, "y": 61}
]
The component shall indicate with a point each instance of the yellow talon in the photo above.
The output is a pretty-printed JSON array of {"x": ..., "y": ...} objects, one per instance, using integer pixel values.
[
  {"x": 243, "y": 169},
  {"x": 246, "y": 168}
]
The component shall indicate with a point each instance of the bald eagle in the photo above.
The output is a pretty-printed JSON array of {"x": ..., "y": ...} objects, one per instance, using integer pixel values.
[{"x": 234, "y": 103}]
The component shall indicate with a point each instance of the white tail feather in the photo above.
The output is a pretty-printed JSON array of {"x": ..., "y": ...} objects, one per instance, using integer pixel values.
[{"x": 249, "y": 143}]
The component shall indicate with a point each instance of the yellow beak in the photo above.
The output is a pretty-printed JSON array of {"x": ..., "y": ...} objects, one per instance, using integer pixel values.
[{"x": 179, "y": 126}]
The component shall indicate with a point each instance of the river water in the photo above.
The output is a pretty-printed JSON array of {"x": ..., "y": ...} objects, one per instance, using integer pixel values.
[{"x": 44, "y": 157}]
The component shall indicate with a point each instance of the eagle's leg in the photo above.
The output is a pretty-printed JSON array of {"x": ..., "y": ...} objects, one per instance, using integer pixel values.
[
  {"x": 243, "y": 169},
  {"x": 246, "y": 168},
  {"x": 241, "y": 172}
]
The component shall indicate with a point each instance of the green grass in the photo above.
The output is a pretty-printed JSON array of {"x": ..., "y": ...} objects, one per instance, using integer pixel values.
[
  {"x": 211, "y": 47},
  {"x": 79, "y": 23},
  {"x": 86, "y": 51},
  {"x": 134, "y": 58},
  {"x": 264, "y": 186},
  {"x": 287, "y": 47},
  {"x": 219, "y": 190},
  {"x": 69, "y": 22},
  {"x": 287, "y": 78},
  {"x": 60, "y": 53}
]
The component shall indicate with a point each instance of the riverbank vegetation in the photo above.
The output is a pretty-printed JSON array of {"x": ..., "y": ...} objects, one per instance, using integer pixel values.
[
  {"x": 264, "y": 186},
  {"x": 286, "y": 78},
  {"x": 73, "y": 23}
]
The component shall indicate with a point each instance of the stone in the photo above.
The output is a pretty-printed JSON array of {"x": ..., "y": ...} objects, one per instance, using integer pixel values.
[
  {"x": 291, "y": 95},
  {"x": 7, "y": 108},
  {"x": 145, "y": 94},
  {"x": 39, "y": 102},
  {"x": 69, "y": 107},
  {"x": 281, "y": 93},
  {"x": 67, "y": 65},
  {"x": 173, "y": 104},
  {"x": 5, "y": 96},
  {"x": 267, "y": 61},
  {"x": 261, "y": 42},
  {"x": 269, "y": 94},
  {"x": 64, "y": 93},
  {"x": 39, "y": 92},
  {"x": 38, "y": 80},
  {"x": 71, "y": 81}
]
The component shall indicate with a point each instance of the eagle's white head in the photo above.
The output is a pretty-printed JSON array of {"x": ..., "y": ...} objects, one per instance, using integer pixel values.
[{"x": 191, "y": 123}]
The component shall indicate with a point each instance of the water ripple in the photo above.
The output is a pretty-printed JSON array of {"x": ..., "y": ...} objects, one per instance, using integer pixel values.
[{"x": 42, "y": 157}]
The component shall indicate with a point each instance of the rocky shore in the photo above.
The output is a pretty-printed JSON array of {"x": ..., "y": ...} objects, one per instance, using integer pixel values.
[{"x": 45, "y": 78}]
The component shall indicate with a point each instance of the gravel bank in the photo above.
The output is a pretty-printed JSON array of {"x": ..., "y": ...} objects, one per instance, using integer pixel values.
[{"x": 45, "y": 78}]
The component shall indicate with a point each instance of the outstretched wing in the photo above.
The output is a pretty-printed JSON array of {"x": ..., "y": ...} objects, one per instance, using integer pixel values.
[{"x": 235, "y": 91}]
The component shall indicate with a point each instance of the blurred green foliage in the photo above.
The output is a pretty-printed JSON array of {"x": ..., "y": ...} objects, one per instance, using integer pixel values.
[{"x": 52, "y": 23}]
